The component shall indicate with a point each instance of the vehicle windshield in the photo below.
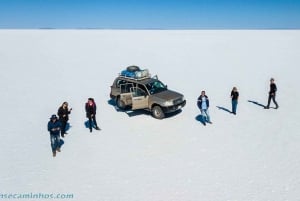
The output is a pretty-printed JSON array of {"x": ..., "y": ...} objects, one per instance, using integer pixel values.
[{"x": 156, "y": 87}]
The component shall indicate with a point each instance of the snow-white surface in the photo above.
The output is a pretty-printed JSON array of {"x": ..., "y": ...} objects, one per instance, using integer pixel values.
[{"x": 252, "y": 156}]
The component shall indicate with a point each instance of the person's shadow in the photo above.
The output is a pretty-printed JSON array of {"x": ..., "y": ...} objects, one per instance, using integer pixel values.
[
  {"x": 68, "y": 126},
  {"x": 61, "y": 142},
  {"x": 87, "y": 124},
  {"x": 224, "y": 109},
  {"x": 256, "y": 103},
  {"x": 200, "y": 119}
]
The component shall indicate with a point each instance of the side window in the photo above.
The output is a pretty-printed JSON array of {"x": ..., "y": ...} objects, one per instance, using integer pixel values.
[
  {"x": 120, "y": 82},
  {"x": 125, "y": 88},
  {"x": 142, "y": 87},
  {"x": 136, "y": 92}
]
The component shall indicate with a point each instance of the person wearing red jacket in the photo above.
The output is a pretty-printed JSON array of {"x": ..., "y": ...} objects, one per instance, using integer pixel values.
[{"x": 90, "y": 109}]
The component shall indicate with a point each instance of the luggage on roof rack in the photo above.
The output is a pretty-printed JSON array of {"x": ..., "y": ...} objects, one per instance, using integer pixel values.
[
  {"x": 133, "y": 68},
  {"x": 138, "y": 74}
]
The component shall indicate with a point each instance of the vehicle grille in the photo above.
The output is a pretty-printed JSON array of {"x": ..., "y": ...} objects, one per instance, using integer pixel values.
[{"x": 177, "y": 101}]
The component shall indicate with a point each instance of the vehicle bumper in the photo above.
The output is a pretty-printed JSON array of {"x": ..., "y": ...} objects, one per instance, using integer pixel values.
[{"x": 174, "y": 107}]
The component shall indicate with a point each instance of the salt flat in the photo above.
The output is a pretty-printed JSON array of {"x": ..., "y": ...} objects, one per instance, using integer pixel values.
[{"x": 252, "y": 156}]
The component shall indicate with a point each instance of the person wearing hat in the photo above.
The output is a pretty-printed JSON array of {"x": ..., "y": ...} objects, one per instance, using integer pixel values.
[
  {"x": 272, "y": 94},
  {"x": 54, "y": 127},
  {"x": 63, "y": 114},
  {"x": 90, "y": 108}
]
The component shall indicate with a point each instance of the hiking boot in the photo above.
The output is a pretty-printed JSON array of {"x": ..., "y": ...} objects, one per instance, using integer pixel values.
[
  {"x": 58, "y": 149},
  {"x": 97, "y": 128},
  {"x": 54, "y": 153}
]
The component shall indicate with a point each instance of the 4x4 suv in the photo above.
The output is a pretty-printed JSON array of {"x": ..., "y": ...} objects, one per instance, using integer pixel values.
[{"x": 136, "y": 89}]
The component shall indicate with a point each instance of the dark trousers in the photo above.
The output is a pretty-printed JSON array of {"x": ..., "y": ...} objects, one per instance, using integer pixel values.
[
  {"x": 92, "y": 120},
  {"x": 63, "y": 127},
  {"x": 272, "y": 97}
]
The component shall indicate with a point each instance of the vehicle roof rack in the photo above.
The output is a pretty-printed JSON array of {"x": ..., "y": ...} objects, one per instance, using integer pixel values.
[
  {"x": 133, "y": 78},
  {"x": 137, "y": 75}
]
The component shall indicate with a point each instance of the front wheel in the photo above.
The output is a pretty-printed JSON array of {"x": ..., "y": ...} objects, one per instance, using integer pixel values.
[{"x": 157, "y": 112}]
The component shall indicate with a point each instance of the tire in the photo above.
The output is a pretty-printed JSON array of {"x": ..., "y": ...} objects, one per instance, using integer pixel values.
[
  {"x": 157, "y": 112},
  {"x": 120, "y": 104},
  {"x": 133, "y": 68}
]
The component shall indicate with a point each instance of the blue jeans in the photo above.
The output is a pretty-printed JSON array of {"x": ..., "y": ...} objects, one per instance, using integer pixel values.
[
  {"x": 234, "y": 106},
  {"x": 205, "y": 115},
  {"x": 55, "y": 142}
]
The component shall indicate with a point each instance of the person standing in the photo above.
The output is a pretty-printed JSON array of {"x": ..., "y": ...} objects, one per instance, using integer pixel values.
[
  {"x": 272, "y": 94},
  {"x": 234, "y": 99},
  {"x": 63, "y": 114},
  {"x": 203, "y": 105},
  {"x": 54, "y": 127},
  {"x": 90, "y": 108}
]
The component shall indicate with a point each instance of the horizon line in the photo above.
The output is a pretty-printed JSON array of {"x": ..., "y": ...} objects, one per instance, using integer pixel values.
[{"x": 167, "y": 29}]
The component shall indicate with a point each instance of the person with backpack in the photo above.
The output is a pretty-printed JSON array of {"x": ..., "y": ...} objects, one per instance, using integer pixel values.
[
  {"x": 272, "y": 94},
  {"x": 203, "y": 105},
  {"x": 63, "y": 114},
  {"x": 234, "y": 99},
  {"x": 54, "y": 127},
  {"x": 90, "y": 109}
]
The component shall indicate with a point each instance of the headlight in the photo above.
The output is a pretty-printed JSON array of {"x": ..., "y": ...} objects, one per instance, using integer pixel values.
[{"x": 169, "y": 103}]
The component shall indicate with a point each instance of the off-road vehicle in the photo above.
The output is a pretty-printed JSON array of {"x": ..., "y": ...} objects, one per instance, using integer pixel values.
[{"x": 135, "y": 89}]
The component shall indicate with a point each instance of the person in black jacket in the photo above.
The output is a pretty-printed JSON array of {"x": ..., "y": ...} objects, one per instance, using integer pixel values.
[
  {"x": 90, "y": 108},
  {"x": 54, "y": 128},
  {"x": 203, "y": 105},
  {"x": 63, "y": 114},
  {"x": 272, "y": 94},
  {"x": 234, "y": 99}
]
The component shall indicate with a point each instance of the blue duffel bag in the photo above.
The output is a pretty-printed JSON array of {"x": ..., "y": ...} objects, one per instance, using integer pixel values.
[{"x": 127, "y": 73}]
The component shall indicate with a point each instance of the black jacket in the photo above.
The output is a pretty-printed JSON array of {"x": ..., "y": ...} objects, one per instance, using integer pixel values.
[
  {"x": 234, "y": 95},
  {"x": 63, "y": 111},
  {"x": 90, "y": 109},
  {"x": 273, "y": 88},
  {"x": 199, "y": 102}
]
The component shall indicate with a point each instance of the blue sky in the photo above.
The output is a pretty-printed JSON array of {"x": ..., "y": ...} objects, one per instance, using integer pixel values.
[{"x": 150, "y": 14}]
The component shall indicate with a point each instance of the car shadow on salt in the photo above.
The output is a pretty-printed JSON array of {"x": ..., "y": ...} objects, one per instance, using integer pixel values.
[{"x": 133, "y": 113}]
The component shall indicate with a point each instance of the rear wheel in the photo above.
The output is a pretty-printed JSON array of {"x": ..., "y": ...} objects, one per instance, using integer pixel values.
[
  {"x": 157, "y": 112},
  {"x": 120, "y": 103}
]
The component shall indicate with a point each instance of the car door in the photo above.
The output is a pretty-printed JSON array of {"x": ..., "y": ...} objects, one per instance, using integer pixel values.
[
  {"x": 139, "y": 98},
  {"x": 125, "y": 95}
]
